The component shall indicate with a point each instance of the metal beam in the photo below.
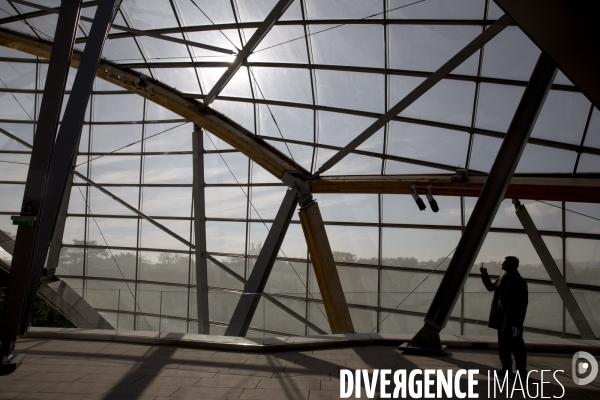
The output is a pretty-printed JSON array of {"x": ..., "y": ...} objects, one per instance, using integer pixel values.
[
  {"x": 43, "y": 143},
  {"x": 134, "y": 210},
  {"x": 35, "y": 14},
  {"x": 568, "y": 32},
  {"x": 254, "y": 41},
  {"x": 585, "y": 190},
  {"x": 253, "y": 290},
  {"x": 136, "y": 32},
  {"x": 325, "y": 268},
  {"x": 200, "y": 232},
  {"x": 558, "y": 280},
  {"x": 67, "y": 144},
  {"x": 268, "y": 297},
  {"x": 420, "y": 90},
  {"x": 487, "y": 205}
]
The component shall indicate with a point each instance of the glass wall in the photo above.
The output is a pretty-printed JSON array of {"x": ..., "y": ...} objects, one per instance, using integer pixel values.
[{"x": 309, "y": 88}]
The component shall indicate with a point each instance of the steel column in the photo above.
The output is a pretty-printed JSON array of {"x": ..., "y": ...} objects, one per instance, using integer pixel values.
[
  {"x": 487, "y": 205},
  {"x": 558, "y": 280},
  {"x": 59, "y": 229},
  {"x": 43, "y": 143},
  {"x": 67, "y": 144},
  {"x": 200, "y": 232},
  {"x": 254, "y": 41},
  {"x": 244, "y": 311},
  {"x": 420, "y": 90}
]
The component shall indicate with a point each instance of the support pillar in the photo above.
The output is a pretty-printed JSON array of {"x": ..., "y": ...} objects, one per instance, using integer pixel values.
[
  {"x": 43, "y": 144},
  {"x": 487, "y": 205},
  {"x": 325, "y": 269},
  {"x": 253, "y": 290},
  {"x": 557, "y": 279},
  {"x": 67, "y": 144},
  {"x": 200, "y": 232}
]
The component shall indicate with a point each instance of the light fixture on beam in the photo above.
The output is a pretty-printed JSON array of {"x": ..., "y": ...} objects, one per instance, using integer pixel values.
[
  {"x": 418, "y": 200},
  {"x": 432, "y": 203}
]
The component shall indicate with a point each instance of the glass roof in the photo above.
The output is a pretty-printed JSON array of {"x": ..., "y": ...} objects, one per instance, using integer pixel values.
[{"x": 327, "y": 69}]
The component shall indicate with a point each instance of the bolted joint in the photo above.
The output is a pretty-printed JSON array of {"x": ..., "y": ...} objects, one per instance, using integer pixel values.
[{"x": 294, "y": 180}]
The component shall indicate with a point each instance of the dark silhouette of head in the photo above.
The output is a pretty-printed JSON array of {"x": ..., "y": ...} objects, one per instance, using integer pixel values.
[{"x": 511, "y": 263}]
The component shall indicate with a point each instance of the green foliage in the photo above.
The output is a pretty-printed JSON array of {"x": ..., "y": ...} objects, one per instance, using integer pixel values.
[{"x": 44, "y": 315}]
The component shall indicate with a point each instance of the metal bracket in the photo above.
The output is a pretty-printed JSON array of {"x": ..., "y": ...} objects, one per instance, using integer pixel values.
[{"x": 294, "y": 180}]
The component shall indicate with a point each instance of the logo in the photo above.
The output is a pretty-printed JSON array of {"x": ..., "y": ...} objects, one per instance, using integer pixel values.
[{"x": 580, "y": 367}]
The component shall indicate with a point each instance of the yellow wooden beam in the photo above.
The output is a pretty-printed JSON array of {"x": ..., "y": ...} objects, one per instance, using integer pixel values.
[{"x": 325, "y": 270}]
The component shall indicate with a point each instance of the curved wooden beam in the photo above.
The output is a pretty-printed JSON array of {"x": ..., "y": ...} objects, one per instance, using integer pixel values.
[{"x": 218, "y": 124}]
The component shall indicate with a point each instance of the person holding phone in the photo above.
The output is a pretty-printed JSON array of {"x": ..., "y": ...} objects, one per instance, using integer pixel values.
[{"x": 507, "y": 313}]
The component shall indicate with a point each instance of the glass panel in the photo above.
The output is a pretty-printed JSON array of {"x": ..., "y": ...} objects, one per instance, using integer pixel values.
[
  {"x": 11, "y": 197},
  {"x": 562, "y": 118},
  {"x": 583, "y": 261},
  {"x": 418, "y": 248},
  {"x": 105, "y": 263},
  {"x": 284, "y": 84},
  {"x": 338, "y": 129},
  {"x": 428, "y": 47},
  {"x": 301, "y": 155},
  {"x": 174, "y": 299},
  {"x": 291, "y": 123},
  {"x": 225, "y": 168},
  {"x": 349, "y": 207},
  {"x": 436, "y": 9},
  {"x": 169, "y": 201},
  {"x": 353, "y": 243},
  {"x": 168, "y": 137},
  {"x": 335, "y": 9},
  {"x": 287, "y": 278},
  {"x": 401, "y": 209},
  {"x": 18, "y": 106},
  {"x": 410, "y": 291},
  {"x": 357, "y": 45},
  {"x": 448, "y": 101},
  {"x": 589, "y": 302},
  {"x": 359, "y": 285},
  {"x": 102, "y": 204},
  {"x": 364, "y": 321},
  {"x": 400, "y": 168},
  {"x": 119, "y": 232},
  {"x": 510, "y": 55},
  {"x": 279, "y": 320},
  {"x": 539, "y": 159},
  {"x": 582, "y": 217},
  {"x": 483, "y": 153},
  {"x": 266, "y": 201},
  {"x": 547, "y": 216},
  {"x": 225, "y": 202},
  {"x": 226, "y": 237},
  {"x": 153, "y": 237},
  {"x": 496, "y": 106},
  {"x": 116, "y": 169},
  {"x": 420, "y": 142},
  {"x": 219, "y": 12},
  {"x": 74, "y": 231},
  {"x": 118, "y": 107},
  {"x": 70, "y": 262},
  {"x": 352, "y": 164},
  {"x": 217, "y": 277},
  {"x": 294, "y": 243},
  {"x": 221, "y": 305},
  {"x": 282, "y": 44},
  {"x": 164, "y": 267},
  {"x": 588, "y": 163},
  {"x": 124, "y": 50},
  {"x": 352, "y": 90},
  {"x": 22, "y": 131},
  {"x": 109, "y": 138},
  {"x": 18, "y": 75},
  {"x": 168, "y": 169}
]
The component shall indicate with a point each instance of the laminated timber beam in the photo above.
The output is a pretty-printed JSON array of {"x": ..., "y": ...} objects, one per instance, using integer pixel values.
[
  {"x": 585, "y": 190},
  {"x": 219, "y": 125},
  {"x": 326, "y": 272}
]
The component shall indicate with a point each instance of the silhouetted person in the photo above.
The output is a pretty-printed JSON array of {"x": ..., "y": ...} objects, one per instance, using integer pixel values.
[{"x": 508, "y": 313}]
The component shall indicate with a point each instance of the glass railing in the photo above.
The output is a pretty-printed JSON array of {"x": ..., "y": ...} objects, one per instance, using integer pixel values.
[{"x": 291, "y": 314}]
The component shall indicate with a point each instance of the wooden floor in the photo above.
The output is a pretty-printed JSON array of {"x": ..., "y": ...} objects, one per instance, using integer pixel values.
[{"x": 73, "y": 370}]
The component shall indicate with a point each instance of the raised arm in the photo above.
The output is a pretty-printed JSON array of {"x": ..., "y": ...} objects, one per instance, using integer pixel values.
[{"x": 485, "y": 278}]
